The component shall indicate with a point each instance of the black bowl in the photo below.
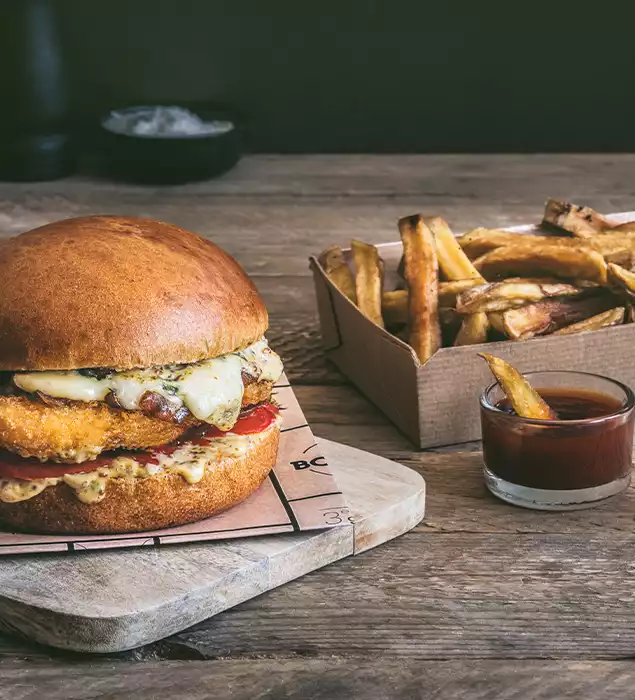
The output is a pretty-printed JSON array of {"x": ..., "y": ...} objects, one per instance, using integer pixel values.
[{"x": 170, "y": 159}]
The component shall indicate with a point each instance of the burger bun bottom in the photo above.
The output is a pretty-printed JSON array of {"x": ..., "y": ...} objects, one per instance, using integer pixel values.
[{"x": 149, "y": 503}]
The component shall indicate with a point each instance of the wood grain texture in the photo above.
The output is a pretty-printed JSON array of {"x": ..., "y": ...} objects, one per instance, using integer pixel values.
[
  {"x": 440, "y": 596},
  {"x": 603, "y": 177},
  {"x": 477, "y": 578},
  {"x": 296, "y": 338},
  {"x": 460, "y": 503},
  {"x": 272, "y": 211},
  {"x": 320, "y": 679}
]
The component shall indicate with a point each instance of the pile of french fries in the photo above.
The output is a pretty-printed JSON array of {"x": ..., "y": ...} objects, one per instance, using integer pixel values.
[{"x": 491, "y": 284}]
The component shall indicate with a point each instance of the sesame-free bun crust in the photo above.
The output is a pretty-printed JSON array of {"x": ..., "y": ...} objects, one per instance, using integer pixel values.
[
  {"x": 150, "y": 503},
  {"x": 121, "y": 292}
]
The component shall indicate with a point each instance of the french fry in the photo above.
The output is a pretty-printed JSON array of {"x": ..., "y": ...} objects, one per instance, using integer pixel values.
[
  {"x": 368, "y": 280},
  {"x": 615, "y": 246},
  {"x": 622, "y": 279},
  {"x": 453, "y": 262},
  {"x": 551, "y": 314},
  {"x": 421, "y": 271},
  {"x": 394, "y": 307},
  {"x": 626, "y": 227},
  {"x": 582, "y": 222},
  {"x": 479, "y": 241},
  {"x": 525, "y": 400},
  {"x": 497, "y": 321},
  {"x": 473, "y": 330},
  {"x": 448, "y": 291},
  {"x": 509, "y": 294},
  {"x": 556, "y": 261},
  {"x": 612, "y": 317},
  {"x": 334, "y": 264},
  {"x": 394, "y": 304}
]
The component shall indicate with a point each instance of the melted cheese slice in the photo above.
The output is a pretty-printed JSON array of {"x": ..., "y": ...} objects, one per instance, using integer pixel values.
[{"x": 212, "y": 390}]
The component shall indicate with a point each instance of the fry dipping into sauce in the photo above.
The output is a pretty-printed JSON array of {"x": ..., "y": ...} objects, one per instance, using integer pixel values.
[{"x": 564, "y": 445}]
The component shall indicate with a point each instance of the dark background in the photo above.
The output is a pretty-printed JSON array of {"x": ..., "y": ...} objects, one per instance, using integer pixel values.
[{"x": 369, "y": 76}]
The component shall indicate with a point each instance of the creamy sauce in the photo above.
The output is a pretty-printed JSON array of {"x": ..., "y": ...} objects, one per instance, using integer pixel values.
[
  {"x": 189, "y": 461},
  {"x": 212, "y": 390},
  {"x": 14, "y": 490}
]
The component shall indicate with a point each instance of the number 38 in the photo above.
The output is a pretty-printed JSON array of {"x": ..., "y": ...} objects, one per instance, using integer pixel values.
[{"x": 337, "y": 516}]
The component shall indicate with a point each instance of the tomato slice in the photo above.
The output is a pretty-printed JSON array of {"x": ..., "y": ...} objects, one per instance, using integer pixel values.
[
  {"x": 257, "y": 420},
  {"x": 16, "y": 467},
  {"x": 13, "y": 466}
]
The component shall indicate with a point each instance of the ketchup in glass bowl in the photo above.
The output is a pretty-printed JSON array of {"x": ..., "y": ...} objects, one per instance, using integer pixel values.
[{"x": 578, "y": 457}]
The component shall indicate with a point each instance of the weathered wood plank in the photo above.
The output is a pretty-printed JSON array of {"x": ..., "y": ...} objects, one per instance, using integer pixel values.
[
  {"x": 447, "y": 596},
  {"x": 601, "y": 176},
  {"x": 296, "y": 338},
  {"x": 318, "y": 679},
  {"x": 285, "y": 292},
  {"x": 272, "y": 211},
  {"x": 338, "y": 405},
  {"x": 459, "y": 502},
  {"x": 378, "y": 439},
  {"x": 265, "y": 236}
]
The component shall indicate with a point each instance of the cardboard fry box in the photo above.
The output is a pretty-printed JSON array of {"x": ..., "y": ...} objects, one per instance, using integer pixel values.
[{"x": 436, "y": 403}]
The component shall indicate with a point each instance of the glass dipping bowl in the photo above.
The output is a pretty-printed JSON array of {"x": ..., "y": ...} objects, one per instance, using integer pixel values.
[{"x": 558, "y": 464}]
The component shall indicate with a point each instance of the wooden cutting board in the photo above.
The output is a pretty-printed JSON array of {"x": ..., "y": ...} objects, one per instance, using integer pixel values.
[{"x": 115, "y": 600}]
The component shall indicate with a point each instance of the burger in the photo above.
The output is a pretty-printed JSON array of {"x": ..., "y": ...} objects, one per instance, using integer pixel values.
[{"x": 135, "y": 379}]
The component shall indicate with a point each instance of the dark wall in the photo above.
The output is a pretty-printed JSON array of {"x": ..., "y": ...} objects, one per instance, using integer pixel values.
[{"x": 370, "y": 75}]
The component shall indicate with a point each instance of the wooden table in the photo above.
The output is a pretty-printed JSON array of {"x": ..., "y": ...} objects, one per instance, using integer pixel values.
[{"x": 482, "y": 599}]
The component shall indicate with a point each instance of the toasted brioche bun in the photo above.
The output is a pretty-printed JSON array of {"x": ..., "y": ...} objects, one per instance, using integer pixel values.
[
  {"x": 121, "y": 292},
  {"x": 150, "y": 503},
  {"x": 76, "y": 431}
]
